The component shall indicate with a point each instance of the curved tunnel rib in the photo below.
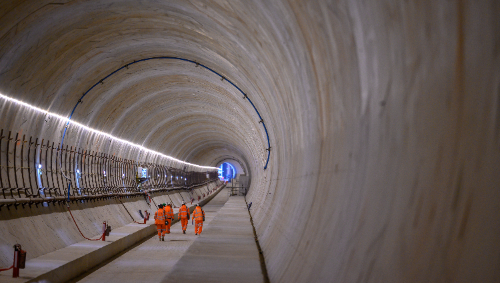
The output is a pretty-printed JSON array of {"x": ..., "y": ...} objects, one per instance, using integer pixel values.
[{"x": 245, "y": 96}]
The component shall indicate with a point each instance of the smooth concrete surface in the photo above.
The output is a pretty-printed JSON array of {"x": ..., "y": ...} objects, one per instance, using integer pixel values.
[
  {"x": 153, "y": 260},
  {"x": 225, "y": 252},
  {"x": 69, "y": 262},
  {"x": 383, "y": 118},
  {"x": 44, "y": 229}
]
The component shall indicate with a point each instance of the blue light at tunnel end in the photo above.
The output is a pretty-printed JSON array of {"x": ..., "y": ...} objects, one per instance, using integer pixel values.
[{"x": 226, "y": 171}]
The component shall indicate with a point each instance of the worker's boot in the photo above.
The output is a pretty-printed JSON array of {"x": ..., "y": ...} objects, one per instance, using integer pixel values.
[
  {"x": 159, "y": 239},
  {"x": 163, "y": 239},
  {"x": 183, "y": 231}
]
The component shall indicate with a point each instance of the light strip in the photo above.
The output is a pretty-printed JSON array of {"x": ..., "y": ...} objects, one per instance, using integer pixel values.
[{"x": 65, "y": 119}]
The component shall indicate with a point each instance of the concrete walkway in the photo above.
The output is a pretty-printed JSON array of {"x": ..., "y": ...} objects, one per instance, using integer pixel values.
[
  {"x": 225, "y": 251},
  {"x": 153, "y": 260},
  {"x": 75, "y": 261}
]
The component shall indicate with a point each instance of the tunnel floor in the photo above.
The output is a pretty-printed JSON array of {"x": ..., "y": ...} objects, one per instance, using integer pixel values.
[{"x": 224, "y": 252}]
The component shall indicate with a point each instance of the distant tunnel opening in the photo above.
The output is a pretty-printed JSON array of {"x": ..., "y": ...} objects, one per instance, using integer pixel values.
[{"x": 227, "y": 172}]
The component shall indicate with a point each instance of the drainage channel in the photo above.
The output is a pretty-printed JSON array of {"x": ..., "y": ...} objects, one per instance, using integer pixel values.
[{"x": 261, "y": 254}]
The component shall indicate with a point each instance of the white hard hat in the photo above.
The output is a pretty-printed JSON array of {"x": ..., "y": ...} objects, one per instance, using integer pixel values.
[{"x": 183, "y": 202}]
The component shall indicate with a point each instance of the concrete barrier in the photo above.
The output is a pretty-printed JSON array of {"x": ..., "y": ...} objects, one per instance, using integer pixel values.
[{"x": 69, "y": 262}]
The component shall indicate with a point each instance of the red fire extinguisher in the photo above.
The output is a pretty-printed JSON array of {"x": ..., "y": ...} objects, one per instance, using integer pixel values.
[
  {"x": 105, "y": 230},
  {"x": 19, "y": 260}
]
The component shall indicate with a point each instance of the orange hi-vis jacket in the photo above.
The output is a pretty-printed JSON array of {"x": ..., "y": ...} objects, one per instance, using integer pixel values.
[
  {"x": 160, "y": 216},
  {"x": 183, "y": 212},
  {"x": 169, "y": 213},
  {"x": 198, "y": 214}
]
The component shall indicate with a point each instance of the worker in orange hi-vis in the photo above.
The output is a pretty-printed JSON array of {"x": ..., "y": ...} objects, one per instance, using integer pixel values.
[
  {"x": 169, "y": 216},
  {"x": 183, "y": 216},
  {"x": 160, "y": 222},
  {"x": 198, "y": 217}
]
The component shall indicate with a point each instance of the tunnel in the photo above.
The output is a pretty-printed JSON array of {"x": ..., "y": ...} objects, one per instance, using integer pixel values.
[{"x": 368, "y": 131}]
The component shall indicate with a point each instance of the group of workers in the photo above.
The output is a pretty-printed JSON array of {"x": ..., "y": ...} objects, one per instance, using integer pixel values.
[{"x": 165, "y": 215}]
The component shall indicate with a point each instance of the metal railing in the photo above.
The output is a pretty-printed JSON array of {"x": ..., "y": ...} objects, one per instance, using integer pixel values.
[{"x": 30, "y": 173}]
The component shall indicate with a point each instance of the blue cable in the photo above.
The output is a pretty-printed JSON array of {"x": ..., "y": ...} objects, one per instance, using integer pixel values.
[
  {"x": 69, "y": 187},
  {"x": 174, "y": 58}
]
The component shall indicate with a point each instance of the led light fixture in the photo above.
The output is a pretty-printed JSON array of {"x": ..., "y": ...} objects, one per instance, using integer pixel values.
[{"x": 65, "y": 119}]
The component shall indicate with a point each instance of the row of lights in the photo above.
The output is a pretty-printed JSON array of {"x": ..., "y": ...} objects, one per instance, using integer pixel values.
[{"x": 65, "y": 119}]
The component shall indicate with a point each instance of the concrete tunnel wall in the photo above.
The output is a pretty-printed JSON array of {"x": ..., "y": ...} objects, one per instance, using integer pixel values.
[
  {"x": 383, "y": 117},
  {"x": 43, "y": 229}
]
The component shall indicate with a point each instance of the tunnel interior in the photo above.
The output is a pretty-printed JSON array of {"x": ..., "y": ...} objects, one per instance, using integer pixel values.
[{"x": 370, "y": 130}]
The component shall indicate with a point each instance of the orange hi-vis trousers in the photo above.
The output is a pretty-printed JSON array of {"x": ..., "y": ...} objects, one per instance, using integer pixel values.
[
  {"x": 161, "y": 230},
  {"x": 198, "y": 226},
  {"x": 184, "y": 223},
  {"x": 167, "y": 226}
]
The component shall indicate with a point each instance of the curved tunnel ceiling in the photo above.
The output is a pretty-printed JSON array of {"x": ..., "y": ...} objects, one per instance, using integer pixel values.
[
  {"x": 174, "y": 107},
  {"x": 188, "y": 106}
]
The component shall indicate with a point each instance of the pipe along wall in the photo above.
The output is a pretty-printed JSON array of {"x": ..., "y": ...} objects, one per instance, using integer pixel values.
[{"x": 383, "y": 118}]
